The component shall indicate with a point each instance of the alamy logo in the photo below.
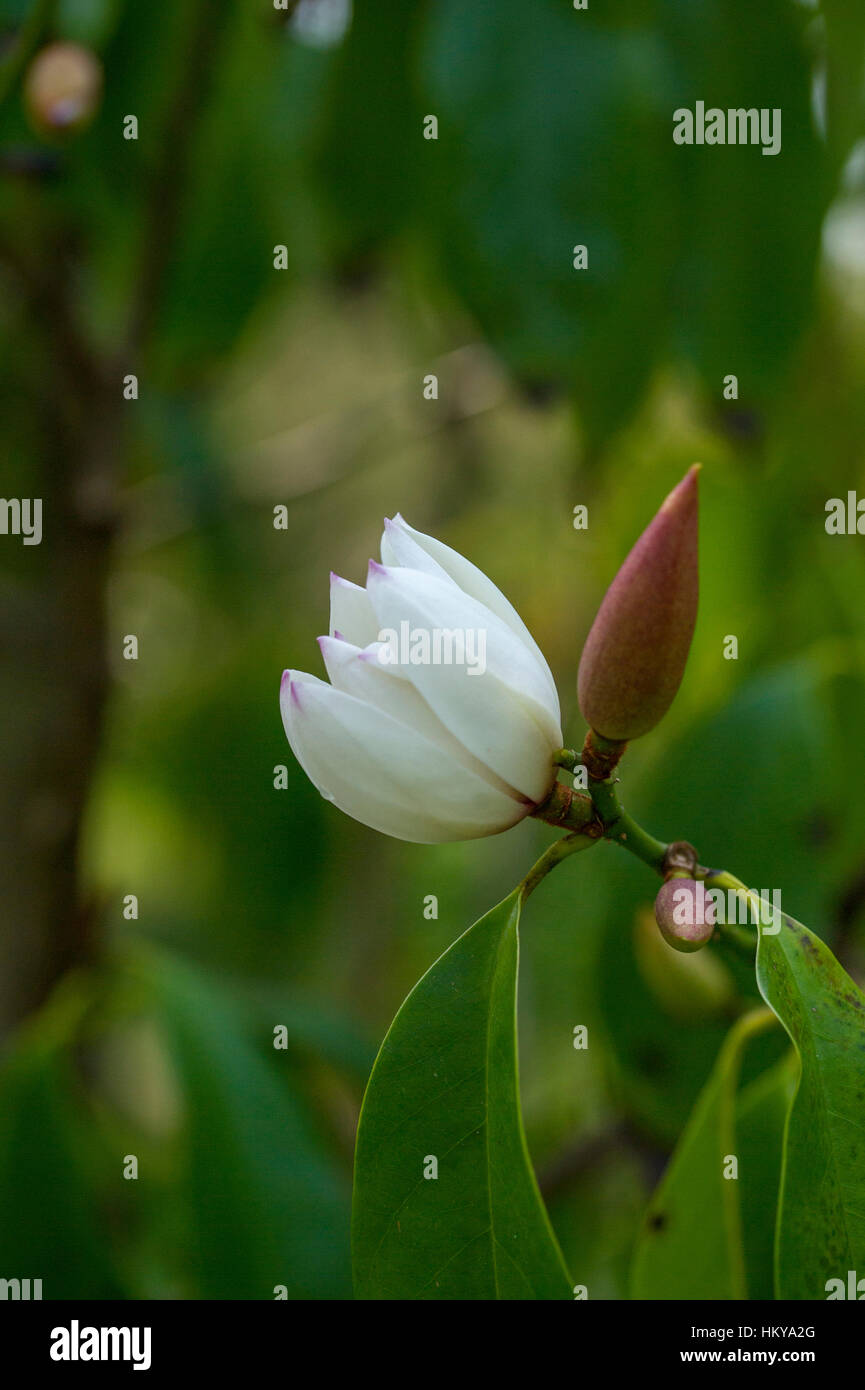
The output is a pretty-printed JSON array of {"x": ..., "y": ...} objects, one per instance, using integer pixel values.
[
  {"x": 736, "y": 126},
  {"x": 437, "y": 646},
  {"x": 76, "y": 1343},
  {"x": 22, "y": 516}
]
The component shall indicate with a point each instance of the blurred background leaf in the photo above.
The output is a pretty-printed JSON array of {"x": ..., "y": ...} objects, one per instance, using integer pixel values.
[{"x": 264, "y": 1201}]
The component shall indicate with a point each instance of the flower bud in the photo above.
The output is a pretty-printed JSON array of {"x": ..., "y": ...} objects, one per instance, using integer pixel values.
[
  {"x": 635, "y": 654},
  {"x": 685, "y": 912},
  {"x": 62, "y": 88}
]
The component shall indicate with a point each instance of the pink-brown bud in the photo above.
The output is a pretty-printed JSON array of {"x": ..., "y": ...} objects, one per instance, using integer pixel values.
[
  {"x": 685, "y": 913},
  {"x": 62, "y": 88},
  {"x": 635, "y": 654}
]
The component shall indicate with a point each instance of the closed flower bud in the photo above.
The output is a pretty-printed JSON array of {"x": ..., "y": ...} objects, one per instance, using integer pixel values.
[
  {"x": 685, "y": 912},
  {"x": 440, "y": 719},
  {"x": 635, "y": 654},
  {"x": 62, "y": 88}
]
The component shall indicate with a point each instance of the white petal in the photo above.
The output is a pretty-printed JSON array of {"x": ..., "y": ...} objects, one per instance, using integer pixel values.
[
  {"x": 360, "y": 673},
  {"x": 399, "y": 547},
  {"x": 507, "y": 716},
  {"x": 471, "y": 580},
  {"x": 384, "y": 774},
  {"x": 351, "y": 612}
]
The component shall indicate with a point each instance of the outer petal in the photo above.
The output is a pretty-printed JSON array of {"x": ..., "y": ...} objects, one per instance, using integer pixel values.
[
  {"x": 507, "y": 717},
  {"x": 360, "y": 673},
  {"x": 386, "y": 775},
  {"x": 400, "y": 547},
  {"x": 351, "y": 612},
  {"x": 470, "y": 579}
]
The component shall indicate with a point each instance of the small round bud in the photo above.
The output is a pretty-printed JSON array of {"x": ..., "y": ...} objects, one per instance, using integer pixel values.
[
  {"x": 62, "y": 88},
  {"x": 685, "y": 913}
]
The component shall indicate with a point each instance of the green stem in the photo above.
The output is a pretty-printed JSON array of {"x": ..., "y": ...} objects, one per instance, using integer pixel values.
[
  {"x": 598, "y": 814},
  {"x": 571, "y": 844},
  {"x": 621, "y": 829}
]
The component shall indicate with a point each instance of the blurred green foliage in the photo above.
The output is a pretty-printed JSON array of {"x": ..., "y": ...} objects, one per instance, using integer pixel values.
[{"x": 262, "y": 907}]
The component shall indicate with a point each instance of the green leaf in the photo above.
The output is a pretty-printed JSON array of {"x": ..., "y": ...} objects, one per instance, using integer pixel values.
[
  {"x": 265, "y": 1202},
  {"x": 445, "y": 1086},
  {"x": 559, "y": 133},
  {"x": 691, "y": 1244},
  {"x": 56, "y": 1179},
  {"x": 821, "y": 1219},
  {"x": 761, "y": 1114},
  {"x": 554, "y": 134},
  {"x": 750, "y": 225},
  {"x": 371, "y": 140}
]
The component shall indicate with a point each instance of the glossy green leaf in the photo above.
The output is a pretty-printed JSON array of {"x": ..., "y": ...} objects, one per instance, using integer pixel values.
[
  {"x": 821, "y": 1220},
  {"x": 691, "y": 1244},
  {"x": 445, "y": 1087}
]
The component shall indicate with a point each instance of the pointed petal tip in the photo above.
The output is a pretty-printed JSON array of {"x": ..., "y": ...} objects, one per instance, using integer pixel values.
[
  {"x": 332, "y": 644},
  {"x": 288, "y": 688}
]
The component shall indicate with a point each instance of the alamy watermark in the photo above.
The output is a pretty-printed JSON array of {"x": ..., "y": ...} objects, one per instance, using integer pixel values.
[
  {"x": 22, "y": 516},
  {"x": 735, "y": 126},
  {"x": 692, "y": 904},
  {"x": 437, "y": 646},
  {"x": 20, "y": 1290}
]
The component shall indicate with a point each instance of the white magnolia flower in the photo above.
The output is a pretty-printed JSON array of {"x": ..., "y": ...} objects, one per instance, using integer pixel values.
[{"x": 407, "y": 737}]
